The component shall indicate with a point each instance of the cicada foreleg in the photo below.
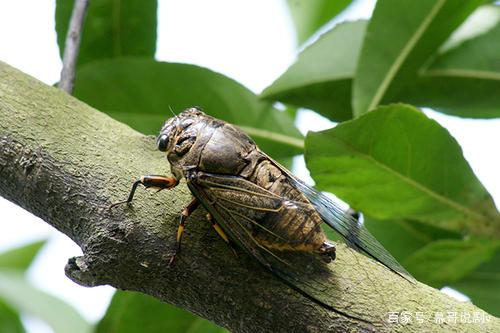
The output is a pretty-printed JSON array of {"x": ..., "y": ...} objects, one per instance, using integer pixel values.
[
  {"x": 150, "y": 181},
  {"x": 186, "y": 212}
]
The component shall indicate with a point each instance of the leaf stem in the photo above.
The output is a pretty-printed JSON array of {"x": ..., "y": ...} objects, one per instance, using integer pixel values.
[{"x": 403, "y": 55}]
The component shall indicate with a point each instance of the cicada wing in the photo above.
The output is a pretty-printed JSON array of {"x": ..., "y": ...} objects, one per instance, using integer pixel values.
[
  {"x": 233, "y": 201},
  {"x": 350, "y": 229},
  {"x": 353, "y": 231}
]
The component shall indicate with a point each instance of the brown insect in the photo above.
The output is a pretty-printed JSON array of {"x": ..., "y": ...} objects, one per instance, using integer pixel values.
[{"x": 255, "y": 202}]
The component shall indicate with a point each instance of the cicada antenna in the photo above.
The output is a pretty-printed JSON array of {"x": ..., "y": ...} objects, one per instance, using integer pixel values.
[
  {"x": 176, "y": 117},
  {"x": 171, "y": 110}
]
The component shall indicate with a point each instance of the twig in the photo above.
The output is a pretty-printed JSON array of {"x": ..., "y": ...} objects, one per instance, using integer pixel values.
[{"x": 72, "y": 45}]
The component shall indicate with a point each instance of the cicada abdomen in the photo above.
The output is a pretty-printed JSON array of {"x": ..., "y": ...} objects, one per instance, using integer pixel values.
[{"x": 293, "y": 224}]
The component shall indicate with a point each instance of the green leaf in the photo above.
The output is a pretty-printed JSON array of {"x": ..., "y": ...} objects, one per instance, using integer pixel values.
[
  {"x": 483, "y": 285},
  {"x": 400, "y": 38},
  {"x": 403, "y": 237},
  {"x": 22, "y": 296},
  {"x": 472, "y": 67},
  {"x": 135, "y": 312},
  {"x": 445, "y": 261},
  {"x": 111, "y": 29},
  {"x": 321, "y": 78},
  {"x": 20, "y": 258},
  {"x": 310, "y": 15},
  {"x": 395, "y": 163},
  {"x": 9, "y": 320},
  {"x": 140, "y": 92},
  {"x": 483, "y": 19}
]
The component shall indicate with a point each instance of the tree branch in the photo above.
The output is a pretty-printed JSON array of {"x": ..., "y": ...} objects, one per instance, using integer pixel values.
[
  {"x": 72, "y": 45},
  {"x": 66, "y": 162}
]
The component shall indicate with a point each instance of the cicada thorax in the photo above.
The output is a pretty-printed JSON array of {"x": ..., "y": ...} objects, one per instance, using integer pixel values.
[
  {"x": 294, "y": 223},
  {"x": 268, "y": 206}
]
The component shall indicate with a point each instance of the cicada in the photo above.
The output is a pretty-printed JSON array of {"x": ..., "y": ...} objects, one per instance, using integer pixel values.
[{"x": 255, "y": 203}]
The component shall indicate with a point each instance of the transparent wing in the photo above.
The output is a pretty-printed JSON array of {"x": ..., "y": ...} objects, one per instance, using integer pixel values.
[{"x": 352, "y": 230}]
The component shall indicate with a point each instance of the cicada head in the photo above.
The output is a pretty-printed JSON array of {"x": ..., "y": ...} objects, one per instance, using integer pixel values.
[
  {"x": 173, "y": 129},
  {"x": 178, "y": 137}
]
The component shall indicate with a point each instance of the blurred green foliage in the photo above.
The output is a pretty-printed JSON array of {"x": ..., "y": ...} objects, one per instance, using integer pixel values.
[
  {"x": 310, "y": 15},
  {"x": 154, "y": 316},
  {"x": 18, "y": 295}
]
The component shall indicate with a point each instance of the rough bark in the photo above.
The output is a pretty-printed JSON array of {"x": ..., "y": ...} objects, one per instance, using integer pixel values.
[{"x": 66, "y": 163}]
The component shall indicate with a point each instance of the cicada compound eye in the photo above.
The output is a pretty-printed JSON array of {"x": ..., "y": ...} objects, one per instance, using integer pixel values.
[{"x": 162, "y": 142}]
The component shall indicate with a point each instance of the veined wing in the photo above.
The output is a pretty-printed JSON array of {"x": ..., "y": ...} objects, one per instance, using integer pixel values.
[
  {"x": 237, "y": 204},
  {"x": 350, "y": 229}
]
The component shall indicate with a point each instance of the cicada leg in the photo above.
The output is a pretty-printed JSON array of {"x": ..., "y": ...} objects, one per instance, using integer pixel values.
[
  {"x": 186, "y": 212},
  {"x": 221, "y": 233},
  {"x": 150, "y": 181}
]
